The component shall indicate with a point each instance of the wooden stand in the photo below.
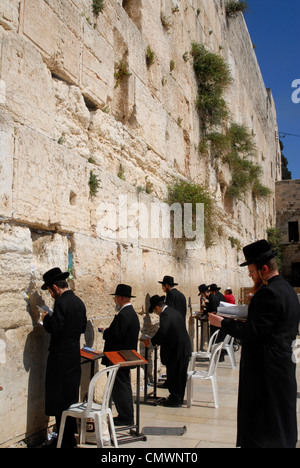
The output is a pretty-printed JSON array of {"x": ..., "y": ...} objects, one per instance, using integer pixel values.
[
  {"x": 129, "y": 358},
  {"x": 90, "y": 355}
]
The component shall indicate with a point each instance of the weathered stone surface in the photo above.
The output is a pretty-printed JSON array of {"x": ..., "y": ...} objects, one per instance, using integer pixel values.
[{"x": 63, "y": 120}]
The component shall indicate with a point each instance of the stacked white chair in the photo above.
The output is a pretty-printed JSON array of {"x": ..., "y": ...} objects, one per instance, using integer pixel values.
[{"x": 209, "y": 374}]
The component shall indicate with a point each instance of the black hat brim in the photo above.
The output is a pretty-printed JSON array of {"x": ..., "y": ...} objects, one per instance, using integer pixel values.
[
  {"x": 166, "y": 282},
  {"x": 122, "y": 295}
]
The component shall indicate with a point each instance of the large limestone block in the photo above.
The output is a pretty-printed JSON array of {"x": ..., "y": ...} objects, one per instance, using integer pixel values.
[
  {"x": 72, "y": 118},
  {"x": 15, "y": 275},
  {"x": 96, "y": 272},
  {"x": 9, "y": 14},
  {"x": 149, "y": 119},
  {"x": 51, "y": 184},
  {"x": 23, "y": 380},
  {"x": 97, "y": 77},
  {"x": 28, "y": 84},
  {"x": 6, "y": 166},
  {"x": 59, "y": 45}
]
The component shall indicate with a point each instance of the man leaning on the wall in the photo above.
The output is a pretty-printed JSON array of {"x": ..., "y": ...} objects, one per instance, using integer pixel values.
[{"x": 63, "y": 372}]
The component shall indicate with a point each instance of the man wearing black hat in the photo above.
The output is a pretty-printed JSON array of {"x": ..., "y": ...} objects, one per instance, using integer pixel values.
[
  {"x": 215, "y": 297},
  {"x": 175, "y": 348},
  {"x": 122, "y": 335},
  {"x": 267, "y": 389},
  {"x": 63, "y": 372},
  {"x": 175, "y": 298}
]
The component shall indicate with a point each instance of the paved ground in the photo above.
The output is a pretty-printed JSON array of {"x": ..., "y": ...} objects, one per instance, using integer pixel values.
[{"x": 206, "y": 426}]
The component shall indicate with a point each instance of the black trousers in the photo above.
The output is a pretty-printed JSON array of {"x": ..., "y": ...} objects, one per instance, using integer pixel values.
[
  {"x": 122, "y": 396},
  {"x": 69, "y": 440},
  {"x": 177, "y": 377}
]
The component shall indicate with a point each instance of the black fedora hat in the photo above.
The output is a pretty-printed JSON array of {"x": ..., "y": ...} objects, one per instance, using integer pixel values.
[
  {"x": 154, "y": 300},
  {"x": 55, "y": 274},
  {"x": 123, "y": 290},
  {"x": 214, "y": 287},
  {"x": 258, "y": 253},
  {"x": 202, "y": 288},
  {"x": 168, "y": 280}
]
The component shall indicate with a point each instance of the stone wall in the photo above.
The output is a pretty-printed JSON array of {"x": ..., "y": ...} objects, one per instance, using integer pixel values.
[
  {"x": 288, "y": 211},
  {"x": 62, "y": 117}
]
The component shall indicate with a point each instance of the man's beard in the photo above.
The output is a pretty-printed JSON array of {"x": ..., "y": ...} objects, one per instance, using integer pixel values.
[{"x": 257, "y": 285}]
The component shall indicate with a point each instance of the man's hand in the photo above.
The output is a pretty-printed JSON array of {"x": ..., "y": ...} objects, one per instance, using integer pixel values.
[
  {"x": 147, "y": 342},
  {"x": 215, "y": 320},
  {"x": 44, "y": 315}
]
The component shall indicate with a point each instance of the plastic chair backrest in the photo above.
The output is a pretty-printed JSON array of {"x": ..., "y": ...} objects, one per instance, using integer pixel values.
[
  {"x": 111, "y": 375},
  {"x": 215, "y": 356}
]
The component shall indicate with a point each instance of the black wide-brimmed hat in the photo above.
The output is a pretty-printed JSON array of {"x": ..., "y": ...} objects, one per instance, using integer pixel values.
[
  {"x": 214, "y": 287},
  {"x": 168, "y": 280},
  {"x": 258, "y": 253},
  {"x": 154, "y": 300},
  {"x": 123, "y": 290},
  {"x": 55, "y": 274},
  {"x": 202, "y": 288}
]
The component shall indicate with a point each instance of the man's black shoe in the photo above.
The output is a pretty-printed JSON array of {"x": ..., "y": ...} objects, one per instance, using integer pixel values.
[{"x": 118, "y": 422}]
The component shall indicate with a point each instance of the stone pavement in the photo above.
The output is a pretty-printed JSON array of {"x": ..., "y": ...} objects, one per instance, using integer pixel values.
[{"x": 206, "y": 426}]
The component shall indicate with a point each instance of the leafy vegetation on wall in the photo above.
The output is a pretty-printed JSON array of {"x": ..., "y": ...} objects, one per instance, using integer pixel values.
[{"x": 182, "y": 192}]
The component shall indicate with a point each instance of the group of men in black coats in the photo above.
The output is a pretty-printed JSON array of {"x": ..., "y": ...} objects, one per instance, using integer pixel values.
[{"x": 267, "y": 389}]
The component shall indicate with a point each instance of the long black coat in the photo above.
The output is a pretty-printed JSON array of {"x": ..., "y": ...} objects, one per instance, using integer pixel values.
[
  {"x": 267, "y": 388},
  {"x": 172, "y": 337},
  {"x": 123, "y": 332},
  {"x": 177, "y": 301},
  {"x": 63, "y": 371}
]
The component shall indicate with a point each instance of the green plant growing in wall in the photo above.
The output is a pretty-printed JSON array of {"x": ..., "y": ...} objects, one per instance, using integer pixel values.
[
  {"x": 236, "y": 146},
  {"x": 182, "y": 192},
  {"x": 121, "y": 73},
  {"x": 233, "y": 7},
  {"x": 94, "y": 184},
  {"x": 235, "y": 243},
  {"x": 98, "y": 7},
  {"x": 213, "y": 76},
  {"x": 121, "y": 173},
  {"x": 150, "y": 57}
]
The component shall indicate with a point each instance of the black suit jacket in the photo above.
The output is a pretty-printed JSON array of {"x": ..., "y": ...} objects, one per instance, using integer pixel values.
[
  {"x": 65, "y": 326},
  {"x": 177, "y": 301},
  {"x": 214, "y": 302},
  {"x": 267, "y": 406},
  {"x": 123, "y": 332},
  {"x": 172, "y": 337}
]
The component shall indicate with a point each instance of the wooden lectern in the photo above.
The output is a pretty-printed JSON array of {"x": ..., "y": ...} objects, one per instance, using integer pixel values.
[{"x": 129, "y": 358}]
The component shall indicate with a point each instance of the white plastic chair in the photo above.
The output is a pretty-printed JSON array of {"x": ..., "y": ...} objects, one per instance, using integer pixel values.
[
  {"x": 209, "y": 374},
  {"x": 90, "y": 409},
  {"x": 204, "y": 354},
  {"x": 228, "y": 347}
]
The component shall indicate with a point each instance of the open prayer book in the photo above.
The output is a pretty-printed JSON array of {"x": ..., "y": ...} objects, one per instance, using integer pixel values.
[
  {"x": 43, "y": 309},
  {"x": 232, "y": 311}
]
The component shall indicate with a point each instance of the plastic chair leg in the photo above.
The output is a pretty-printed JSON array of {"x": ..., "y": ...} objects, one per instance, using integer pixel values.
[
  {"x": 215, "y": 390},
  {"x": 112, "y": 429},
  {"x": 98, "y": 430},
  {"x": 231, "y": 355},
  {"x": 82, "y": 430},
  {"x": 61, "y": 429},
  {"x": 189, "y": 391}
]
